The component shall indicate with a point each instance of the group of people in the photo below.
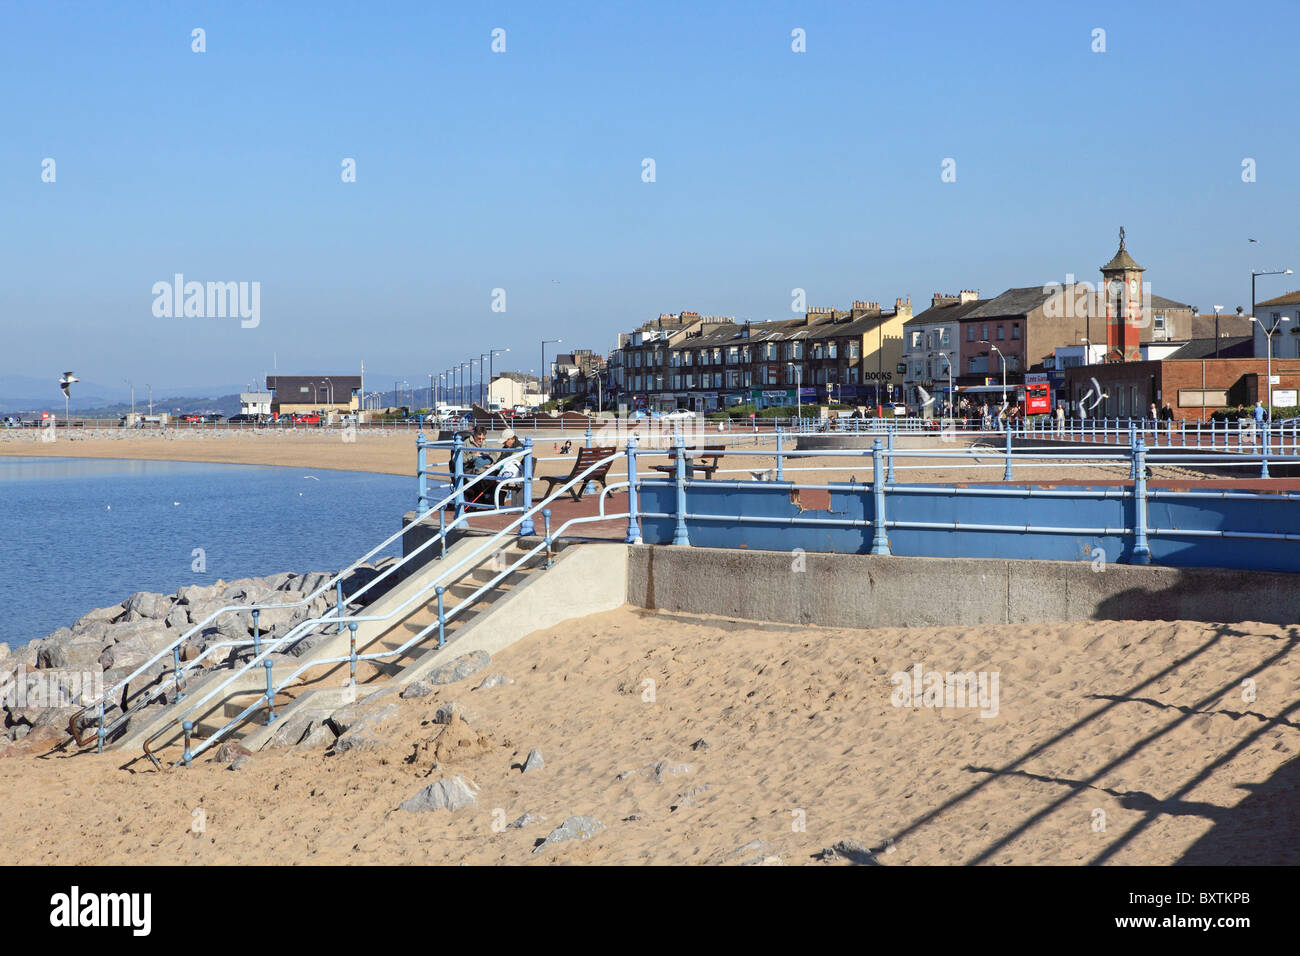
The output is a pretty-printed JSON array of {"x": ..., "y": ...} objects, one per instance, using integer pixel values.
[{"x": 477, "y": 457}]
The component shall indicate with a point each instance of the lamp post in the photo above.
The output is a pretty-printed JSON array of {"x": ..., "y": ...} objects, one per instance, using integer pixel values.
[
  {"x": 130, "y": 383},
  {"x": 150, "y": 387},
  {"x": 1269, "y": 333},
  {"x": 798, "y": 387},
  {"x": 541, "y": 382},
  {"x": 1003, "y": 358},
  {"x": 1217, "y": 310},
  {"x": 1087, "y": 350},
  {"x": 492, "y": 354}
]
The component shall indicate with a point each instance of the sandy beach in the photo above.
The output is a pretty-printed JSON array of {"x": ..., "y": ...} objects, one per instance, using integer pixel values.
[
  {"x": 393, "y": 452},
  {"x": 1113, "y": 742}
]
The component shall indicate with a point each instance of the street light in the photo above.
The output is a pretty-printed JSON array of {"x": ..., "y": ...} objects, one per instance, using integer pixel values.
[
  {"x": 541, "y": 387},
  {"x": 1087, "y": 350},
  {"x": 1217, "y": 310},
  {"x": 1268, "y": 335},
  {"x": 1004, "y": 368},
  {"x": 129, "y": 382},
  {"x": 150, "y": 387},
  {"x": 492, "y": 354}
]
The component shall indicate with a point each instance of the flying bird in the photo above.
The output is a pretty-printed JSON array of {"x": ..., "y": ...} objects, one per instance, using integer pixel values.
[
  {"x": 68, "y": 379},
  {"x": 926, "y": 398}
]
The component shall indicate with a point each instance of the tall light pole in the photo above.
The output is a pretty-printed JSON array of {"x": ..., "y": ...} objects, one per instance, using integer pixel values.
[
  {"x": 541, "y": 382},
  {"x": 150, "y": 387},
  {"x": 1004, "y": 368},
  {"x": 466, "y": 375},
  {"x": 492, "y": 354},
  {"x": 129, "y": 382},
  {"x": 1268, "y": 335},
  {"x": 798, "y": 387},
  {"x": 1217, "y": 310}
]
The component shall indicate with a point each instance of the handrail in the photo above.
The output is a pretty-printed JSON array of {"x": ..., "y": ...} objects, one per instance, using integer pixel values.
[
  {"x": 443, "y": 574},
  {"x": 102, "y": 732}
]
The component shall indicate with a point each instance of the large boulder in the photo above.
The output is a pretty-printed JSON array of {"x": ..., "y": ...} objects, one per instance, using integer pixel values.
[
  {"x": 459, "y": 668},
  {"x": 357, "y": 724},
  {"x": 105, "y": 614},
  {"x": 574, "y": 828},
  {"x": 70, "y": 655},
  {"x": 149, "y": 605},
  {"x": 192, "y": 594},
  {"x": 136, "y": 648},
  {"x": 450, "y": 793}
]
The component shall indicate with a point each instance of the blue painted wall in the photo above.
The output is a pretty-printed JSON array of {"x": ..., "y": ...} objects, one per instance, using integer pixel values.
[{"x": 1104, "y": 518}]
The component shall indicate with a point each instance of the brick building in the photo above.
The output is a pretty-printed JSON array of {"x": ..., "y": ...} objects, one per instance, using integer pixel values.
[
  {"x": 1192, "y": 382},
  {"x": 706, "y": 363}
]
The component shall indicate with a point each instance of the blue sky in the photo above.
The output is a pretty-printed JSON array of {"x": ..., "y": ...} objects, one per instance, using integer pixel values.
[{"x": 775, "y": 170}]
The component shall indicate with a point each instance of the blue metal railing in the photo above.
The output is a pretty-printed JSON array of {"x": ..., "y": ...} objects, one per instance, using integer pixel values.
[
  {"x": 105, "y": 728},
  {"x": 437, "y": 584}
]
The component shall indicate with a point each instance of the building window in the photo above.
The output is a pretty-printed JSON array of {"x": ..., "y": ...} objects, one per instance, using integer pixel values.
[
  {"x": 999, "y": 333},
  {"x": 833, "y": 350},
  {"x": 916, "y": 339},
  {"x": 769, "y": 351},
  {"x": 746, "y": 356},
  {"x": 853, "y": 375},
  {"x": 1015, "y": 330},
  {"x": 748, "y": 378},
  {"x": 855, "y": 350},
  {"x": 984, "y": 333},
  {"x": 970, "y": 333},
  {"x": 945, "y": 337},
  {"x": 733, "y": 355},
  {"x": 971, "y": 364}
]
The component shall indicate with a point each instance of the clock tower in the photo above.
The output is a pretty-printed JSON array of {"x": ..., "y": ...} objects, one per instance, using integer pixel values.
[{"x": 1121, "y": 297}]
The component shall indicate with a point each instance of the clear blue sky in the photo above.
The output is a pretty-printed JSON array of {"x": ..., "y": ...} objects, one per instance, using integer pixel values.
[{"x": 522, "y": 170}]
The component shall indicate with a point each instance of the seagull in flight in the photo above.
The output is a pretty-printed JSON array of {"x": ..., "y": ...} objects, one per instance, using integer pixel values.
[{"x": 67, "y": 379}]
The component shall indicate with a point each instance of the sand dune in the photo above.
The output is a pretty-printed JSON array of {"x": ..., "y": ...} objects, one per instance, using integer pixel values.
[{"x": 1113, "y": 742}]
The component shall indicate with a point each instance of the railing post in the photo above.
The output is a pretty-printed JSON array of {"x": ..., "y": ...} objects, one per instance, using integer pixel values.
[
  {"x": 257, "y": 634},
  {"x": 442, "y": 617},
  {"x": 176, "y": 671},
  {"x": 1006, "y": 473},
  {"x": 100, "y": 733},
  {"x": 879, "y": 541},
  {"x": 1141, "y": 551},
  {"x": 633, "y": 532},
  {"x": 889, "y": 463},
  {"x": 1263, "y": 462},
  {"x": 352, "y": 651},
  {"x": 679, "y": 533},
  {"x": 270, "y": 693},
  {"x": 780, "y": 458},
  {"x": 422, "y": 480},
  {"x": 588, "y": 438},
  {"x": 458, "y": 476},
  {"x": 442, "y": 532},
  {"x": 1133, "y": 441},
  {"x": 338, "y": 604},
  {"x": 188, "y": 727},
  {"x": 526, "y": 526},
  {"x": 546, "y": 521}
]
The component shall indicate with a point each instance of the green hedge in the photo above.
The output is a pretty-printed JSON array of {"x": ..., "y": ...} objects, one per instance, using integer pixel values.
[{"x": 1248, "y": 411}]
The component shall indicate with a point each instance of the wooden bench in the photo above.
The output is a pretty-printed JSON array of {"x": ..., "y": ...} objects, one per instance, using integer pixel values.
[
  {"x": 715, "y": 452},
  {"x": 586, "y": 458}
]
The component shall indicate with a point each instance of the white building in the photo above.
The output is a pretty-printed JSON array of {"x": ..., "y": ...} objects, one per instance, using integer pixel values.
[
  {"x": 255, "y": 403},
  {"x": 1283, "y": 316},
  {"x": 932, "y": 345}
]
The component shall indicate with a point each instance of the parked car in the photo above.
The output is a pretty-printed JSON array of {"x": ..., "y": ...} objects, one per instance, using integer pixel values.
[
  {"x": 248, "y": 419},
  {"x": 191, "y": 419},
  {"x": 311, "y": 418}
]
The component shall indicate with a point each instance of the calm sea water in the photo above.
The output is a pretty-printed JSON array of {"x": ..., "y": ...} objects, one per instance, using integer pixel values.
[{"x": 79, "y": 533}]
